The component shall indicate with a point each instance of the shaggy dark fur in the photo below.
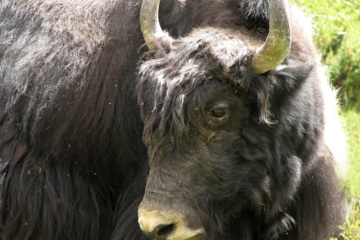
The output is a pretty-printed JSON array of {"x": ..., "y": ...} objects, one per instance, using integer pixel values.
[
  {"x": 263, "y": 172},
  {"x": 72, "y": 161}
]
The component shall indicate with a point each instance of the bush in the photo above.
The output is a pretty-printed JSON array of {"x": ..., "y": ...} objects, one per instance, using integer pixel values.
[{"x": 337, "y": 35}]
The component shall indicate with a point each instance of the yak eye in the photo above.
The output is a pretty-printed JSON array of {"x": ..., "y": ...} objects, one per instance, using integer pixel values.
[{"x": 218, "y": 114}]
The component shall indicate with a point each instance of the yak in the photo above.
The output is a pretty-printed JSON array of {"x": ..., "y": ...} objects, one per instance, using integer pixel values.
[{"x": 185, "y": 119}]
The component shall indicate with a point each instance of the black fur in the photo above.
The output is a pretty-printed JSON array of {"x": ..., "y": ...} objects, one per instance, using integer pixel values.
[{"x": 72, "y": 156}]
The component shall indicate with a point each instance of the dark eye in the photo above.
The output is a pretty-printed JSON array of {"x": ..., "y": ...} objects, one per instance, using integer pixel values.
[{"x": 218, "y": 114}]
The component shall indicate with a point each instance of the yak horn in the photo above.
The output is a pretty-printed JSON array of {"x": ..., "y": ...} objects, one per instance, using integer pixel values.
[
  {"x": 277, "y": 45},
  {"x": 149, "y": 22}
]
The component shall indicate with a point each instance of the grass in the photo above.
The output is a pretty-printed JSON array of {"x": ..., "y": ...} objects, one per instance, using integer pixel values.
[
  {"x": 351, "y": 121},
  {"x": 337, "y": 35}
]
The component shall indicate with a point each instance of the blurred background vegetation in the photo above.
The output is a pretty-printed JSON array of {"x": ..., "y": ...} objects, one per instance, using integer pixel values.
[{"x": 337, "y": 36}]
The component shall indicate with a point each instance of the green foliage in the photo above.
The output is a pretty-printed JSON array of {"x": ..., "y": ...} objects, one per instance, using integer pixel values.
[
  {"x": 351, "y": 229},
  {"x": 351, "y": 121},
  {"x": 337, "y": 35}
]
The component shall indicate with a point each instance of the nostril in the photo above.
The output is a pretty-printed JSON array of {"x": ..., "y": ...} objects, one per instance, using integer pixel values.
[
  {"x": 163, "y": 231},
  {"x": 156, "y": 225}
]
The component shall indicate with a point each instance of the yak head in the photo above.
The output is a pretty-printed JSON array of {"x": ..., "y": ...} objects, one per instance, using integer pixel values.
[{"x": 209, "y": 127}]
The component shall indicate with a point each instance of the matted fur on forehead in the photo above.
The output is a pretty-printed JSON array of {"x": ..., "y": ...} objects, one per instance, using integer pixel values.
[
  {"x": 167, "y": 81},
  {"x": 164, "y": 83}
]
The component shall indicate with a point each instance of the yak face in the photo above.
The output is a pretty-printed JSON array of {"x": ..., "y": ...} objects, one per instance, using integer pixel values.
[{"x": 209, "y": 133}]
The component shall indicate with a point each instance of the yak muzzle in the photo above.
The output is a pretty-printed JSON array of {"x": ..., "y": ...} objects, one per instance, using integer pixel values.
[{"x": 161, "y": 225}]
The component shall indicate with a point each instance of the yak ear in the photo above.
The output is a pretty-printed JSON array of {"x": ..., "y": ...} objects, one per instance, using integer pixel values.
[
  {"x": 276, "y": 86},
  {"x": 287, "y": 79},
  {"x": 264, "y": 88}
]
